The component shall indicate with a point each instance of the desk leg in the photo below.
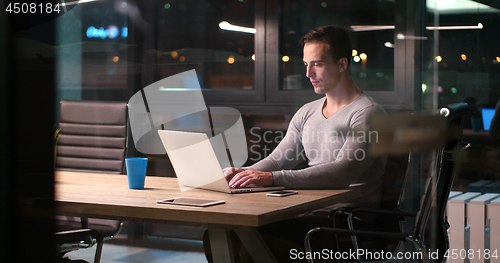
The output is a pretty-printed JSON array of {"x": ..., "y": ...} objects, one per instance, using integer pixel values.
[
  {"x": 255, "y": 245},
  {"x": 222, "y": 248}
]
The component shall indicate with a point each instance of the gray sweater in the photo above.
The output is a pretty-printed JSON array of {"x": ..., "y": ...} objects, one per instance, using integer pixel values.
[{"x": 336, "y": 150}]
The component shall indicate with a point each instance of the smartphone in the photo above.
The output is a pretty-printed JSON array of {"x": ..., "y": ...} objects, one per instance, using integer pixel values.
[{"x": 282, "y": 193}]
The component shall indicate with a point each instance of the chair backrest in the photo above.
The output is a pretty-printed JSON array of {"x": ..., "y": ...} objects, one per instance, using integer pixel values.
[
  {"x": 393, "y": 181},
  {"x": 438, "y": 184},
  {"x": 93, "y": 136}
]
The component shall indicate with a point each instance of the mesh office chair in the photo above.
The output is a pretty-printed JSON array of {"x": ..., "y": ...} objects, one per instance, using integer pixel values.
[
  {"x": 394, "y": 179},
  {"x": 93, "y": 138},
  {"x": 433, "y": 200}
]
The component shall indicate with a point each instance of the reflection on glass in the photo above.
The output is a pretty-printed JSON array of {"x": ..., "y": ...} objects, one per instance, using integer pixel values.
[
  {"x": 460, "y": 54},
  {"x": 91, "y": 48},
  {"x": 460, "y": 65},
  {"x": 371, "y": 24},
  {"x": 214, "y": 37}
]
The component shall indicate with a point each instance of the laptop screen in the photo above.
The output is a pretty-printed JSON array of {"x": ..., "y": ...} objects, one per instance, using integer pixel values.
[{"x": 487, "y": 116}]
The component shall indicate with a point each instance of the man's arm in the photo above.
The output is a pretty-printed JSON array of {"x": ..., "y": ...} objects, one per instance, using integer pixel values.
[
  {"x": 284, "y": 156},
  {"x": 351, "y": 162}
]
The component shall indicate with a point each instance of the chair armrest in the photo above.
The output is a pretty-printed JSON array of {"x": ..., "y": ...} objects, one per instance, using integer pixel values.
[
  {"x": 332, "y": 213},
  {"x": 401, "y": 215},
  {"x": 353, "y": 210},
  {"x": 383, "y": 212},
  {"x": 335, "y": 211},
  {"x": 77, "y": 235},
  {"x": 399, "y": 236}
]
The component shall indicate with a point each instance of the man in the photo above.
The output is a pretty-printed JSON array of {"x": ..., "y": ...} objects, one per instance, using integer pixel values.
[{"x": 324, "y": 130}]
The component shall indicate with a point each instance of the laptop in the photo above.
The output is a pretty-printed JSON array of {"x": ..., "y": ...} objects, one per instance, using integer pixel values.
[
  {"x": 487, "y": 117},
  {"x": 198, "y": 165}
]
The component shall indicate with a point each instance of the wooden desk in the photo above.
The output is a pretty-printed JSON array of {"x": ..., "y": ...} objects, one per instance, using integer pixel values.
[{"x": 108, "y": 196}]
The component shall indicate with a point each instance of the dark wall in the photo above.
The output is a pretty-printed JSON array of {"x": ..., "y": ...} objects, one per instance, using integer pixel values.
[
  {"x": 6, "y": 195},
  {"x": 26, "y": 152}
]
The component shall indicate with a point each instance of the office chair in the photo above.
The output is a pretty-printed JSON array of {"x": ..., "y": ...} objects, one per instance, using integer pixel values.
[
  {"x": 394, "y": 179},
  {"x": 93, "y": 138},
  {"x": 432, "y": 202}
]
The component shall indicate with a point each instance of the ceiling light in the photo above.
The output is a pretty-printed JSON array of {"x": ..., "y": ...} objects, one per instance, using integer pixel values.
[
  {"x": 448, "y": 7},
  {"x": 371, "y": 28},
  {"x": 77, "y": 2},
  {"x": 479, "y": 26},
  {"x": 401, "y": 36},
  {"x": 224, "y": 25}
]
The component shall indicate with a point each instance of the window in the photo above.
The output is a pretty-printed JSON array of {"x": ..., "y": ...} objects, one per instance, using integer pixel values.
[
  {"x": 378, "y": 62},
  {"x": 217, "y": 38}
]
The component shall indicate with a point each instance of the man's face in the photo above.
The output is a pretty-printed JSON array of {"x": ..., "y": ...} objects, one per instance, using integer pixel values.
[{"x": 322, "y": 71}]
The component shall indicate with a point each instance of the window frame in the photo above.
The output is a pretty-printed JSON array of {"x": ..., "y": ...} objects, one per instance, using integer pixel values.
[{"x": 405, "y": 60}]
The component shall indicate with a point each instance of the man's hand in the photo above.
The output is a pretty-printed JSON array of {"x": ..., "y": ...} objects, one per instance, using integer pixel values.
[
  {"x": 230, "y": 172},
  {"x": 246, "y": 177}
]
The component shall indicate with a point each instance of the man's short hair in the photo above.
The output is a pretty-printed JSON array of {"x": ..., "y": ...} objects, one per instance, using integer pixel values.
[{"x": 335, "y": 37}]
